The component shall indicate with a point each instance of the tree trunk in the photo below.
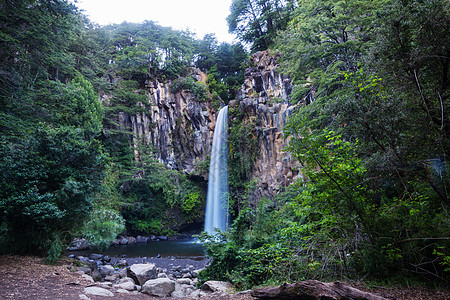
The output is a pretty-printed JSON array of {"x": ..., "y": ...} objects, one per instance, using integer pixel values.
[{"x": 314, "y": 290}]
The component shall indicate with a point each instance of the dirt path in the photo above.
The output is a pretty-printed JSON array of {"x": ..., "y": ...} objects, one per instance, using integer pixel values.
[{"x": 28, "y": 278}]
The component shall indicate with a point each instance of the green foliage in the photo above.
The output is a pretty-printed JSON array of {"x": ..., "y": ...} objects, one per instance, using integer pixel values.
[
  {"x": 256, "y": 22},
  {"x": 128, "y": 98},
  {"x": 243, "y": 152},
  {"x": 191, "y": 201},
  {"x": 372, "y": 143},
  {"x": 197, "y": 88},
  {"x": 148, "y": 48},
  {"x": 102, "y": 227},
  {"x": 47, "y": 181},
  {"x": 324, "y": 38},
  {"x": 158, "y": 200}
]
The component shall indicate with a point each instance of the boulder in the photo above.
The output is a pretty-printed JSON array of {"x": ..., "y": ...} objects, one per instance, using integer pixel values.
[
  {"x": 95, "y": 256},
  {"x": 122, "y": 263},
  {"x": 88, "y": 277},
  {"x": 123, "y": 273},
  {"x": 196, "y": 272},
  {"x": 97, "y": 291},
  {"x": 181, "y": 291},
  {"x": 78, "y": 244},
  {"x": 142, "y": 272},
  {"x": 123, "y": 241},
  {"x": 184, "y": 281},
  {"x": 216, "y": 286},
  {"x": 112, "y": 277},
  {"x": 106, "y": 270},
  {"x": 161, "y": 287},
  {"x": 82, "y": 258},
  {"x": 127, "y": 285},
  {"x": 104, "y": 284},
  {"x": 126, "y": 279},
  {"x": 131, "y": 240},
  {"x": 197, "y": 294},
  {"x": 85, "y": 270},
  {"x": 141, "y": 239},
  {"x": 162, "y": 238}
]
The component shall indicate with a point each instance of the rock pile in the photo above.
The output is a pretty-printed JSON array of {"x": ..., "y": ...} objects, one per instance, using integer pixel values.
[{"x": 180, "y": 282}]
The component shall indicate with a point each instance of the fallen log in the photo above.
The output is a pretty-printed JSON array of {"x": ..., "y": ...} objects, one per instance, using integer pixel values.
[{"x": 314, "y": 290}]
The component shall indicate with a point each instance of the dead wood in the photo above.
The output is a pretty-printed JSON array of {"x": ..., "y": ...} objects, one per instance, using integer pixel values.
[{"x": 314, "y": 290}]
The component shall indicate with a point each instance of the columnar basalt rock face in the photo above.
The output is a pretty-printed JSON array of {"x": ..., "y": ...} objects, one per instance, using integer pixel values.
[
  {"x": 176, "y": 125},
  {"x": 265, "y": 95},
  {"x": 180, "y": 128}
]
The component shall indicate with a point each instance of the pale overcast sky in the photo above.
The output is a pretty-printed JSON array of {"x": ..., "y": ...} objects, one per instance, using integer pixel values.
[{"x": 200, "y": 16}]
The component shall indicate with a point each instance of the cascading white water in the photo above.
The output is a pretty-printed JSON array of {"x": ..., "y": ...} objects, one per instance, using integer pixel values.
[{"x": 217, "y": 200}]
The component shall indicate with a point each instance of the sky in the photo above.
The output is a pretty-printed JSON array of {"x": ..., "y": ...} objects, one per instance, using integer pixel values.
[{"x": 199, "y": 16}]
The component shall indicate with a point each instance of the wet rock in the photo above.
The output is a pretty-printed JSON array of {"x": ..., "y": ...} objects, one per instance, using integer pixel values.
[
  {"x": 95, "y": 256},
  {"x": 123, "y": 241},
  {"x": 78, "y": 244},
  {"x": 141, "y": 239},
  {"x": 82, "y": 258},
  {"x": 176, "y": 268},
  {"x": 131, "y": 240},
  {"x": 161, "y": 287}
]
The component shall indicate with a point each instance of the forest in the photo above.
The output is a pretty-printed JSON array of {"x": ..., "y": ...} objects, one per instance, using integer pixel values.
[{"x": 371, "y": 131}]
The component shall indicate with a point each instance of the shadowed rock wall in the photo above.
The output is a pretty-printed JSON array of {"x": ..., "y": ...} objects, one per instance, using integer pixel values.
[
  {"x": 176, "y": 125},
  {"x": 265, "y": 95}
]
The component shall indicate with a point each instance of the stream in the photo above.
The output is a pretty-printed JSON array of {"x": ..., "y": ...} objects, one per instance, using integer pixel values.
[{"x": 191, "y": 249}]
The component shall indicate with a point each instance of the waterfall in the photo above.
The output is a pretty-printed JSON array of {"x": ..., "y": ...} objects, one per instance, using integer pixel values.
[{"x": 217, "y": 200}]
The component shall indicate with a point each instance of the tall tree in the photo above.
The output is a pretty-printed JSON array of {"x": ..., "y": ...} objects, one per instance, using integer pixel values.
[{"x": 256, "y": 21}]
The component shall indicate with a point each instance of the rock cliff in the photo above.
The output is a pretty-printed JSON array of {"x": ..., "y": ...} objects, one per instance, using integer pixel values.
[
  {"x": 180, "y": 128},
  {"x": 265, "y": 95},
  {"x": 177, "y": 126}
]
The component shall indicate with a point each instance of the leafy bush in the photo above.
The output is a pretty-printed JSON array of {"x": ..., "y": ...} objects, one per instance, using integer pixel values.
[{"x": 102, "y": 227}]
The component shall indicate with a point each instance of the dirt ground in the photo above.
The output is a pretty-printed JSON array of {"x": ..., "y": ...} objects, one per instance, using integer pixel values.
[{"x": 25, "y": 277}]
